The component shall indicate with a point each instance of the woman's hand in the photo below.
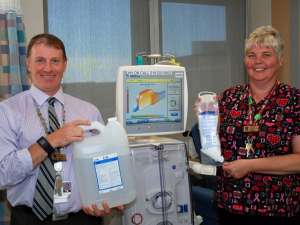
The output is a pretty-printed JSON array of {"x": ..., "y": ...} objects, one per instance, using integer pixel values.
[
  {"x": 238, "y": 168},
  {"x": 196, "y": 106},
  {"x": 207, "y": 106}
]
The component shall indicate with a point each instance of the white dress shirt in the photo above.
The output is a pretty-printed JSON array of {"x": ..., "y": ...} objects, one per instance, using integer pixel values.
[{"x": 20, "y": 127}]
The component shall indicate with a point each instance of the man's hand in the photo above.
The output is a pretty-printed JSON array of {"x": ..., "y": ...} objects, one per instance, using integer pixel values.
[
  {"x": 101, "y": 210},
  {"x": 67, "y": 134}
]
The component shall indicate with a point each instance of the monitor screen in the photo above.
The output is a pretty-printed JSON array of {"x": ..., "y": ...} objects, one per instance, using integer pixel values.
[{"x": 152, "y": 99}]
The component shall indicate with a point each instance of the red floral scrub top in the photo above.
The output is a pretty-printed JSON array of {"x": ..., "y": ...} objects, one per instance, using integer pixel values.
[{"x": 279, "y": 120}]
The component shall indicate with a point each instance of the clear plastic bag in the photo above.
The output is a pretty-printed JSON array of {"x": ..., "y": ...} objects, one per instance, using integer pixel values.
[{"x": 208, "y": 119}]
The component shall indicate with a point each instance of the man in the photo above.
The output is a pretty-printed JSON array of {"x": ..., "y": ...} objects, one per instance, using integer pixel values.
[{"x": 36, "y": 129}]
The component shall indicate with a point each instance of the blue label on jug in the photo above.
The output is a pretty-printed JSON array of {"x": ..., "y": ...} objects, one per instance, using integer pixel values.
[{"x": 108, "y": 173}]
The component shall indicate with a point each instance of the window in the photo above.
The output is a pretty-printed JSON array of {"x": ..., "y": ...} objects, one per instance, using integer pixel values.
[
  {"x": 185, "y": 26},
  {"x": 207, "y": 39},
  {"x": 97, "y": 36}
]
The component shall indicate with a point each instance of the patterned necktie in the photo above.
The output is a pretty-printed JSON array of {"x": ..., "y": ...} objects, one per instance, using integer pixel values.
[{"x": 43, "y": 197}]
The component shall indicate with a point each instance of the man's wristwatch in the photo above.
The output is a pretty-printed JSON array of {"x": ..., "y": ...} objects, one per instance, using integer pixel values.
[{"x": 43, "y": 142}]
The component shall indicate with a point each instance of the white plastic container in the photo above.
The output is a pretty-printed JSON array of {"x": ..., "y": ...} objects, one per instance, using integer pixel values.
[{"x": 103, "y": 166}]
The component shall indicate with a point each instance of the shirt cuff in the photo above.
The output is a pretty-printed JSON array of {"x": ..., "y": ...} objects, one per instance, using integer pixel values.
[{"x": 25, "y": 159}]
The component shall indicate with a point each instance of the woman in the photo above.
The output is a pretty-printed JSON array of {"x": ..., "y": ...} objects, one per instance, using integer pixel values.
[{"x": 259, "y": 135}]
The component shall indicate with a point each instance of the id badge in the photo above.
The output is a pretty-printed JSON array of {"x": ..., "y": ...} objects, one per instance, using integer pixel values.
[{"x": 62, "y": 191}]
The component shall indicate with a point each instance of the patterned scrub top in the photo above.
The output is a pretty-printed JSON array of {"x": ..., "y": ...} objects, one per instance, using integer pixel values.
[{"x": 257, "y": 193}]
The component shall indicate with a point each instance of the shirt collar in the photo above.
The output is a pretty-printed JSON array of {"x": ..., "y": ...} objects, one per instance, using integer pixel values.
[{"x": 41, "y": 97}]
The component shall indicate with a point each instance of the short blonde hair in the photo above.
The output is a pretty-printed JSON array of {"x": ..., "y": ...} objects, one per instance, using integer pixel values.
[{"x": 266, "y": 36}]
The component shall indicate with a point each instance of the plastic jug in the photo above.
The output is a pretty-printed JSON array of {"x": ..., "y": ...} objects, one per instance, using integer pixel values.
[{"x": 103, "y": 165}]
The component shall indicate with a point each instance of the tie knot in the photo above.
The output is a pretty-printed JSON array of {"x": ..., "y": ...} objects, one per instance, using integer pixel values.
[{"x": 51, "y": 101}]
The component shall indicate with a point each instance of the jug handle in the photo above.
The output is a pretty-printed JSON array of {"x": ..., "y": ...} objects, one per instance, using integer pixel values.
[
  {"x": 95, "y": 125},
  {"x": 207, "y": 96},
  {"x": 201, "y": 93}
]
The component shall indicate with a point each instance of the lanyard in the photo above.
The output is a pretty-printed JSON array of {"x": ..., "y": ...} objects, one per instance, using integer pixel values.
[
  {"x": 42, "y": 119},
  {"x": 255, "y": 118},
  {"x": 56, "y": 156}
]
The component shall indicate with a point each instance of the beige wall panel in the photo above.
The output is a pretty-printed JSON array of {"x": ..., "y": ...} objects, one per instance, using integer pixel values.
[
  {"x": 281, "y": 21},
  {"x": 33, "y": 17}
]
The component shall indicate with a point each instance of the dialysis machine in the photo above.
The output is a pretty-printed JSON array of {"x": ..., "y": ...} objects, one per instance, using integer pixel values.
[{"x": 151, "y": 100}]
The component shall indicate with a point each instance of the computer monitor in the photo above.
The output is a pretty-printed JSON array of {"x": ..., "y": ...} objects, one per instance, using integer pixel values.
[{"x": 152, "y": 99}]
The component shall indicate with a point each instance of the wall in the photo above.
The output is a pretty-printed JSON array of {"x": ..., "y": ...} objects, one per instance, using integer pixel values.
[
  {"x": 286, "y": 18},
  {"x": 281, "y": 18},
  {"x": 277, "y": 13},
  {"x": 33, "y": 17},
  {"x": 295, "y": 42},
  {"x": 258, "y": 13}
]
